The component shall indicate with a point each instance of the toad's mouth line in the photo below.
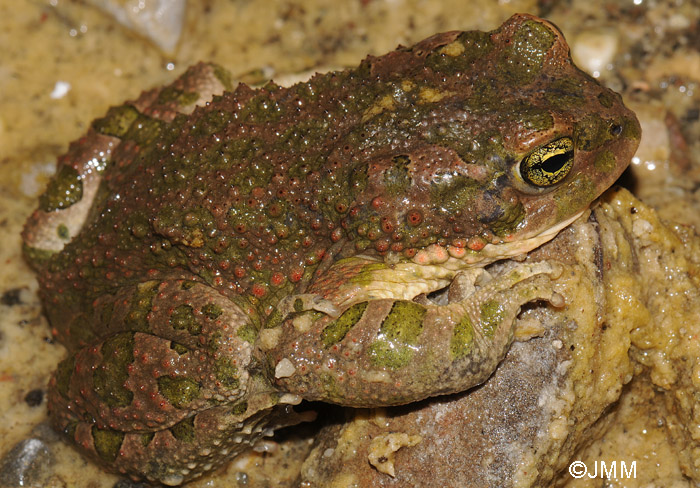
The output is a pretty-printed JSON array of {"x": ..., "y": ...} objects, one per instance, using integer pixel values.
[
  {"x": 506, "y": 250},
  {"x": 410, "y": 280},
  {"x": 457, "y": 259}
]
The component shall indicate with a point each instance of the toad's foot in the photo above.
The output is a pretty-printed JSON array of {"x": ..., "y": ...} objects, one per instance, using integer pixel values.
[
  {"x": 173, "y": 391},
  {"x": 383, "y": 351}
]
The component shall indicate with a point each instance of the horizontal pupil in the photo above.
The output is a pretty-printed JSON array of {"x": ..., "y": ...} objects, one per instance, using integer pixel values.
[{"x": 554, "y": 163}]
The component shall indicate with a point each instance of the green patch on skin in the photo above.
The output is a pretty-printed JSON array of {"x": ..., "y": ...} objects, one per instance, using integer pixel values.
[
  {"x": 492, "y": 315},
  {"x": 606, "y": 99},
  {"x": 455, "y": 193},
  {"x": 63, "y": 232},
  {"x": 483, "y": 148},
  {"x": 178, "y": 391},
  {"x": 359, "y": 178},
  {"x": 182, "y": 98},
  {"x": 186, "y": 226},
  {"x": 249, "y": 176},
  {"x": 144, "y": 130},
  {"x": 605, "y": 162},
  {"x": 314, "y": 315},
  {"x": 117, "y": 121},
  {"x": 239, "y": 408},
  {"x": 179, "y": 348},
  {"x": 197, "y": 224},
  {"x": 138, "y": 225},
  {"x": 462, "y": 341},
  {"x": 535, "y": 119},
  {"x": 566, "y": 94},
  {"x": 64, "y": 189},
  {"x": 362, "y": 244},
  {"x": 576, "y": 195},
  {"x": 244, "y": 303},
  {"x": 226, "y": 373},
  {"x": 509, "y": 220},
  {"x": 141, "y": 305},
  {"x": 303, "y": 134},
  {"x": 70, "y": 429},
  {"x": 456, "y": 57},
  {"x": 211, "y": 123},
  {"x": 591, "y": 132},
  {"x": 404, "y": 322},
  {"x": 397, "y": 181},
  {"x": 107, "y": 443},
  {"x": 147, "y": 438},
  {"x": 36, "y": 257},
  {"x": 110, "y": 375},
  {"x": 262, "y": 108},
  {"x": 334, "y": 332},
  {"x": 366, "y": 275},
  {"x": 329, "y": 193},
  {"x": 298, "y": 305},
  {"x": 64, "y": 372},
  {"x": 207, "y": 275},
  {"x": 184, "y": 430},
  {"x": 523, "y": 58},
  {"x": 364, "y": 94},
  {"x": 483, "y": 98},
  {"x": 183, "y": 318},
  {"x": 212, "y": 311},
  {"x": 631, "y": 129},
  {"x": 398, "y": 334},
  {"x": 188, "y": 285},
  {"x": 330, "y": 386},
  {"x": 274, "y": 319},
  {"x": 389, "y": 355},
  {"x": 215, "y": 340},
  {"x": 223, "y": 76}
]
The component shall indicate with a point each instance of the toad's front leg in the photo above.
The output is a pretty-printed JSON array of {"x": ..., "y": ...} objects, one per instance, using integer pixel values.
[{"x": 387, "y": 351}]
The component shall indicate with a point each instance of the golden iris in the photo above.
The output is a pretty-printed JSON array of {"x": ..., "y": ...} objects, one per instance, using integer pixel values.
[{"x": 548, "y": 164}]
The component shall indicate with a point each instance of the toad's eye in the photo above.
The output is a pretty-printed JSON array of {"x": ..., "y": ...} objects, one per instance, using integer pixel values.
[{"x": 548, "y": 164}]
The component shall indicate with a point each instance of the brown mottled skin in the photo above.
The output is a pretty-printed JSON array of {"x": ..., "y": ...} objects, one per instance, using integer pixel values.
[{"x": 207, "y": 267}]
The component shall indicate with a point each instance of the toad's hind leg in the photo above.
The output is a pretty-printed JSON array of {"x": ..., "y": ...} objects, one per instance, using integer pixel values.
[
  {"x": 172, "y": 390},
  {"x": 383, "y": 351}
]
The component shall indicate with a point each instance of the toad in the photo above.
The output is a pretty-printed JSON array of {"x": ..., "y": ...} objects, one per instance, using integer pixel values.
[{"x": 211, "y": 256}]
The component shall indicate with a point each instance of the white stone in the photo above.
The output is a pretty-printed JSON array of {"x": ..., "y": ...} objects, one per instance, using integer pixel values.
[{"x": 284, "y": 369}]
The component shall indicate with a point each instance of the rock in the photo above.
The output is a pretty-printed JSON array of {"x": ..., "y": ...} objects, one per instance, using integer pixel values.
[
  {"x": 160, "y": 21},
  {"x": 27, "y": 464}
]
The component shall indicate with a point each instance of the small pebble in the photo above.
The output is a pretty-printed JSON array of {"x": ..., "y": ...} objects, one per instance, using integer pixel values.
[
  {"x": 34, "y": 397},
  {"x": 11, "y": 297},
  {"x": 594, "y": 50}
]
